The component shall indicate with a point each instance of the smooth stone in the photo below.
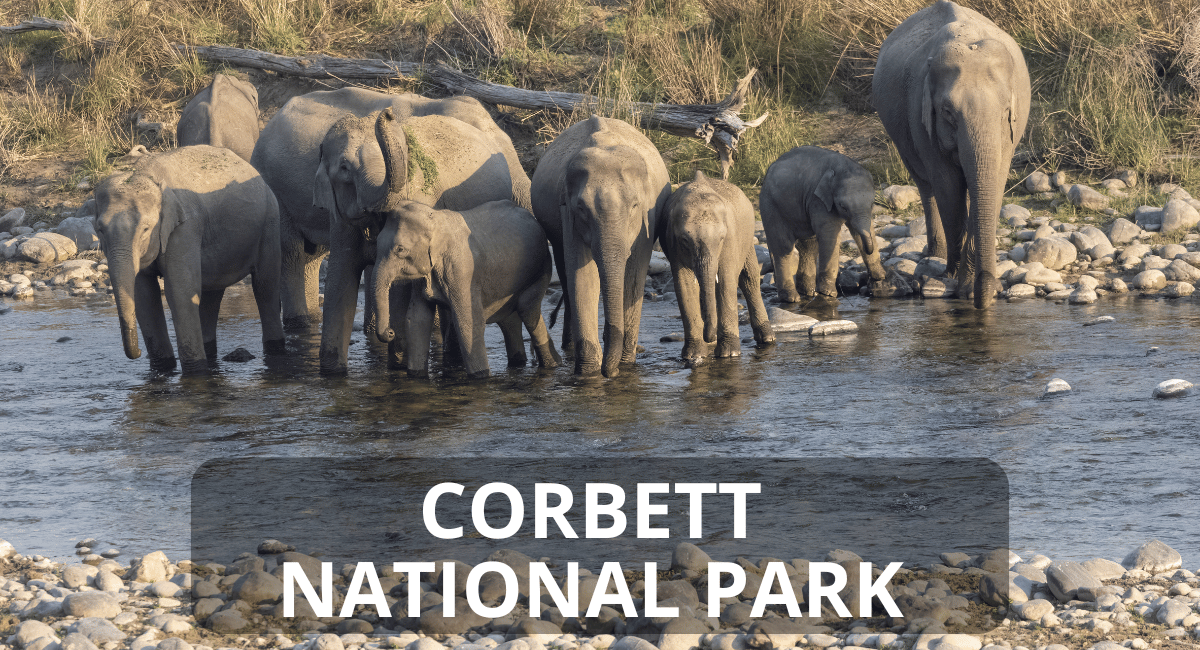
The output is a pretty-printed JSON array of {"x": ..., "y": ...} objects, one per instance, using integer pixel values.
[
  {"x": 1179, "y": 289},
  {"x": 689, "y": 556},
  {"x": 227, "y": 620},
  {"x": 825, "y": 328},
  {"x": 12, "y": 219},
  {"x": 909, "y": 245},
  {"x": 1034, "y": 610},
  {"x": 1178, "y": 214},
  {"x": 900, "y": 197},
  {"x": 107, "y": 581},
  {"x": 257, "y": 587},
  {"x": 30, "y": 630},
  {"x": 1052, "y": 252},
  {"x": 174, "y": 643},
  {"x": 149, "y": 568},
  {"x": 1122, "y": 231},
  {"x": 47, "y": 248},
  {"x": 1104, "y": 569},
  {"x": 783, "y": 320},
  {"x": 99, "y": 604},
  {"x": 1085, "y": 197},
  {"x": 76, "y": 641},
  {"x": 1055, "y": 386},
  {"x": 98, "y": 630},
  {"x": 80, "y": 231},
  {"x": 1167, "y": 389},
  {"x": 1038, "y": 182},
  {"x": 1151, "y": 280},
  {"x": 1066, "y": 577}
]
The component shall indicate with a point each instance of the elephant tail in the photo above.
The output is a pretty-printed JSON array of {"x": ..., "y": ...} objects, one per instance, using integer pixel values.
[{"x": 554, "y": 313}]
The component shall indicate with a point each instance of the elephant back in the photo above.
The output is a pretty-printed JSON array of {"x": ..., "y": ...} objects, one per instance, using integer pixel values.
[{"x": 454, "y": 165}]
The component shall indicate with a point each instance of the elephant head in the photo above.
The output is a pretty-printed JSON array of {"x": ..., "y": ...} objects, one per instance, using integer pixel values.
[
  {"x": 849, "y": 195},
  {"x": 699, "y": 232},
  {"x": 350, "y": 181},
  {"x": 405, "y": 252},
  {"x": 971, "y": 112},
  {"x": 134, "y": 220}
]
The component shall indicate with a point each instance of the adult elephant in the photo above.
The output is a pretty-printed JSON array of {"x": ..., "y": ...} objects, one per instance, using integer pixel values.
[
  {"x": 287, "y": 154},
  {"x": 444, "y": 163},
  {"x": 224, "y": 114},
  {"x": 952, "y": 91},
  {"x": 604, "y": 184}
]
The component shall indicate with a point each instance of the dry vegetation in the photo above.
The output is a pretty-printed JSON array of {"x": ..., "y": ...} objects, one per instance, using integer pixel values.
[{"x": 1115, "y": 81}]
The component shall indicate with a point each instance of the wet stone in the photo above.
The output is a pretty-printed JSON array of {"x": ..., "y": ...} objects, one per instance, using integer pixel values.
[
  {"x": 1167, "y": 389},
  {"x": 240, "y": 355},
  {"x": 1056, "y": 387}
]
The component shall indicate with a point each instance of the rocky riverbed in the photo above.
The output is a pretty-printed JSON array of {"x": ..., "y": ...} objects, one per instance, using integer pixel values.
[{"x": 1148, "y": 600}]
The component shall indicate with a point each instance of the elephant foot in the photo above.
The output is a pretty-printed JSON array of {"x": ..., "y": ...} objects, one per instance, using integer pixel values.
[
  {"x": 785, "y": 296},
  {"x": 210, "y": 350},
  {"x": 587, "y": 359},
  {"x": 162, "y": 364},
  {"x": 295, "y": 323},
  {"x": 987, "y": 286},
  {"x": 518, "y": 361},
  {"x": 421, "y": 373},
  {"x": 764, "y": 336},
  {"x": 727, "y": 349},
  {"x": 480, "y": 374},
  {"x": 194, "y": 366},
  {"x": 547, "y": 359},
  {"x": 276, "y": 347},
  {"x": 883, "y": 289},
  {"x": 694, "y": 351}
]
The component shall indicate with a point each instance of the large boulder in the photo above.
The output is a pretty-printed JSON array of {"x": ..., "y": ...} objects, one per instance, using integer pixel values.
[
  {"x": 257, "y": 587},
  {"x": 901, "y": 196},
  {"x": 1052, "y": 252},
  {"x": 1178, "y": 214},
  {"x": 1151, "y": 280},
  {"x": 47, "y": 248},
  {"x": 100, "y": 604},
  {"x": 12, "y": 219},
  {"x": 1122, "y": 231},
  {"x": 80, "y": 231},
  {"x": 1181, "y": 271},
  {"x": 1066, "y": 578},
  {"x": 1154, "y": 557},
  {"x": 1087, "y": 198},
  {"x": 149, "y": 568}
]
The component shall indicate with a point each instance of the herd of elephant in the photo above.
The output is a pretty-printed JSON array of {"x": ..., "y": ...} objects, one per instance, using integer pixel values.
[{"x": 428, "y": 197}]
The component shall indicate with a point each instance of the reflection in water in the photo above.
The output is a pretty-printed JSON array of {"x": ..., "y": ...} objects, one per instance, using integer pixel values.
[{"x": 98, "y": 445}]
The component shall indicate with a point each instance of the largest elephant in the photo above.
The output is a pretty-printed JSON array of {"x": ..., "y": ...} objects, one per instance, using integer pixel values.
[
  {"x": 601, "y": 185},
  {"x": 952, "y": 91},
  {"x": 287, "y": 154}
]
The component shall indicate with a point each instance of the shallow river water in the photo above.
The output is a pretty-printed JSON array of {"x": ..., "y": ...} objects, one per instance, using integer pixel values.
[{"x": 93, "y": 444}]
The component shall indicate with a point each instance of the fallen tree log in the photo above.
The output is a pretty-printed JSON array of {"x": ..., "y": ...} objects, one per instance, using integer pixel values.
[{"x": 718, "y": 125}]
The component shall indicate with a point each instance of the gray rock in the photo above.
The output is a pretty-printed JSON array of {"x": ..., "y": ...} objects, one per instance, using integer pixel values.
[
  {"x": 420, "y": 644},
  {"x": 206, "y": 607},
  {"x": 98, "y": 630},
  {"x": 1085, "y": 197},
  {"x": 909, "y": 245},
  {"x": 827, "y": 327},
  {"x": 100, "y": 604},
  {"x": 783, "y": 320},
  {"x": 310, "y": 565},
  {"x": 47, "y": 248},
  {"x": 1059, "y": 179},
  {"x": 76, "y": 641},
  {"x": 1104, "y": 569},
  {"x": 1054, "y": 387},
  {"x": 74, "y": 577},
  {"x": 165, "y": 589},
  {"x": 80, "y": 231},
  {"x": 1065, "y": 578},
  {"x": 632, "y": 643},
  {"x": 149, "y": 568},
  {"x": 1112, "y": 184},
  {"x": 174, "y": 643},
  {"x": 1127, "y": 176},
  {"x": 1151, "y": 280},
  {"x": 690, "y": 556},
  {"x": 29, "y": 631},
  {"x": 916, "y": 227},
  {"x": 12, "y": 219},
  {"x": 1021, "y": 290},
  {"x": 106, "y": 581},
  {"x": 1034, "y": 610},
  {"x": 1052, "y": 252},
  {"x": 894, "y": 231},
  {"x": 1178, "y": 214},
  {"x": 900, "y": 197},
  {"x": 257, "y": 587},
  {"x": 1172, "y": 612},
  {"x": 1012, "y": 214},
  {"x": 1082, "y": 296},
  {"x": 1038, "y": 182},
  {"x": 1181, "y": 271},
  {"x": 1167, "y": 389},
  {"x": 1179, "y": 289},
  {"x": 227, "y": 620}
]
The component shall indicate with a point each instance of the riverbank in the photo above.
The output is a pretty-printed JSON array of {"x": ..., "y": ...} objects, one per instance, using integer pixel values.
[{"x": 106, "y": 602}]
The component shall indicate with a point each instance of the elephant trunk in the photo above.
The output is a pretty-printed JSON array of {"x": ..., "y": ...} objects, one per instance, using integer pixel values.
[
  {"x": 395, "y": 157},
  {"x": 384, "y": 276},
  {"x": 860, "y": 226},
  {"x": 986, "y": 169},
  {"x": 612, "y": 286},
  {"x": 122, "y": 271},
  {"x": 706, "y": 276}
]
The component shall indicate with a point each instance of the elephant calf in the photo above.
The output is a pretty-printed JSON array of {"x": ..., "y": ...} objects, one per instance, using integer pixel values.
[
  {"x": 809, "y": 193},
  {"x": 203, "y": 219},
  {"x": 489, "y": 264},
  {"x": 709, "y": 240},
  {"x": 224, "y": 114}
]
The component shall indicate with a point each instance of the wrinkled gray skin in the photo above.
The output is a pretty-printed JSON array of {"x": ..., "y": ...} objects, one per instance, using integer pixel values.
[
  {"x": 488, "y": 264},
  {"x": 470, "y": 170},
  {"x": 952, "y": 90},
  {"x": 287, "y": 155},
  {"x": 808, "y": 194},
  {"x": 709, "y": 240},
  {"x": 607, "y": 184},
  {"x": 224, "y": 114},
  {"x": 202, "y": 219}
]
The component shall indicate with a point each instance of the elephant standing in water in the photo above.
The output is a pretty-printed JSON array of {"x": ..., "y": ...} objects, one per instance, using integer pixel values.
[
  {"x": 808, "y": 194},
  {"x": 605, "y": 184},
  {"x": 287, "y": 155},
  {"x": 203, "y": 219},
  {"x": 709, "y": 240},
  {"x": 952, "y": 91},
  {"x": 224, "y": 114}
]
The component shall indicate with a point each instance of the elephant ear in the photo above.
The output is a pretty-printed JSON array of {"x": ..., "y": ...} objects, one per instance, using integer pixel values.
[
  {"x": 826, "y": 189},
  {"x": 323, "y": 187},
  {"x": 927, "y": 105},
  {"x": 175, "y": 210}
]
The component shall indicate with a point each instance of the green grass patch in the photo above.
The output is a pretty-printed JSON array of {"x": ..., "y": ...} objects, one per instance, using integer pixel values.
[{"x": 418, "y": 160}]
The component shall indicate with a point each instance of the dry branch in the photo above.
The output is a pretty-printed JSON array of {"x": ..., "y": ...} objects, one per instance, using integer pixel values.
[{"x": 718, "y": 125}]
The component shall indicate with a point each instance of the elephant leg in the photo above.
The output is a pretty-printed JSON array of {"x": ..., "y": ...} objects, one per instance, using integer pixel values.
[
  {"x": 808, "y": 255},
  {"x": 148, "y": 306},
  {"x": 750, "y": 283},
  {"x": 417, "y": 330},
  {"x": 184, "y": 299},
  {"x": 935, "y": 235},
  {"x": 466, "y": 311},
  {"x": 635, "y": 294},
  {"x": 514, "y": 342},
  {"x": 529, "y": 307},
  {"x": 452, "y": 348},
  {"x": 786, "y": 260},
  {"x": 341, "y": 297},
  {"x": 951, "y": 198},
  {"x": 299, "y": 281},
  {"x": 370, "y": 309},
  {"x": 583, "y": 279},
  {"x": 568, "y": 321},
  {"x": 687, "y": 292},
  {"x": 729, "y": 341},
  {"x": 827, "y": 251},
  {"x": 210, "y": 308},
  {"x": 265, "y": 280}
]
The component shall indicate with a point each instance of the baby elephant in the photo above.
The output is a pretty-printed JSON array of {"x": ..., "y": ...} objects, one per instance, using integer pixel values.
[
  {"x": 203, "y": 219},
  {"x": 809, "y": 193},
  {"x": 224, "y": 114},
  {"x": 489, "y": 264},
  {"x": 709, "y": 240}
]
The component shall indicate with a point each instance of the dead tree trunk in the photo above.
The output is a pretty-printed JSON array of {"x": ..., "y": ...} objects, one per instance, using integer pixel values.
[{"x": 718, "y": 125}]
